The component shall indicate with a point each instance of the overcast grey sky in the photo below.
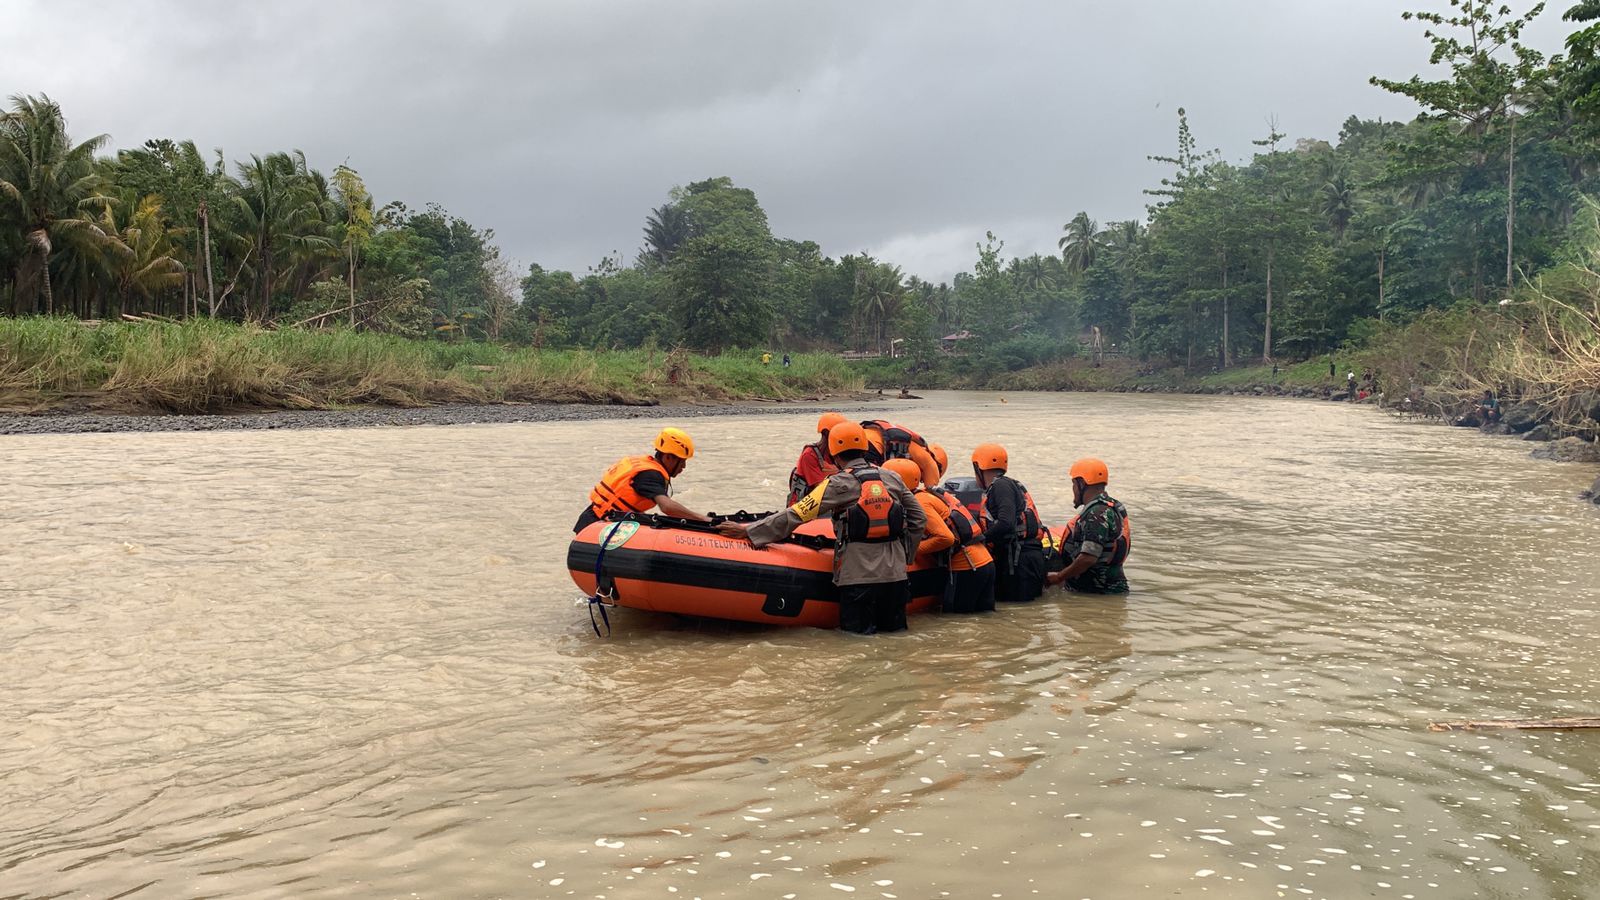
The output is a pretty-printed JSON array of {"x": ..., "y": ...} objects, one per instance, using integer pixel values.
[{"x": 905, "y": 129}]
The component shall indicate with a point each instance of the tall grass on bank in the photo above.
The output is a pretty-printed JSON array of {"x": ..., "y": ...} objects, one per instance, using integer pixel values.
[
  {"x": 205, "y": 366},
  {"x": 1553, "y": 357}
]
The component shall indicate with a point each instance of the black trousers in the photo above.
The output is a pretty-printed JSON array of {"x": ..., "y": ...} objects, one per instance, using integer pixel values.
[
  {"x": 1030, "y": 570},
  {"x": 1007, "y": 583},
  {"x": 971, "y": 590},
  {"x": 871, "y": 608}
]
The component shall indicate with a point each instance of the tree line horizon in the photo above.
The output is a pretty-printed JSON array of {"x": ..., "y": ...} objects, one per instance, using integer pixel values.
[{"x": 1296, "y": 251}]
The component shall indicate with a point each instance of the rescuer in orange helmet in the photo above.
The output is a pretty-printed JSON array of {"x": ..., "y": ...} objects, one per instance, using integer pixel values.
[
  {"x": 638, "y": 483},
  {"x": 878, "y": 523},
  {"x": 814, "y": 464},
  {"x": 1010, "y": 527},
  {"x": 1098, "y": 539}
]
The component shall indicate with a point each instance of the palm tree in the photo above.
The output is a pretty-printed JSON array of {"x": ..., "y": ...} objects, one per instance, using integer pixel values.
[
  {"x": 665, "y": 230},
  {"x": 280, "y": 208},
  {"x": 880, "y": 297},
  {"x": 49, "y": 187},
  {"x": 1124, "y": 244},
  {"x": 1078, "y": 245},
  {"x": 1337, "y": 203},
  {"x": 141, "y": 252}
]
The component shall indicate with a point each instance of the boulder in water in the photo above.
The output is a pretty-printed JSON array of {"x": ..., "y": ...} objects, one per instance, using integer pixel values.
[
  {"x": 1589, "y": 402},
  {"x": 1569, "y": 449},
  {"x": 1593, "y": 493},
  {"x": 1539, "y": 433},
  {"x": 1521, "y": 417}
]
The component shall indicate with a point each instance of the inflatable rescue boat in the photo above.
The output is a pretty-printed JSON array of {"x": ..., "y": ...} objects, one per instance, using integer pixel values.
[{"x": 669, "y": 565}]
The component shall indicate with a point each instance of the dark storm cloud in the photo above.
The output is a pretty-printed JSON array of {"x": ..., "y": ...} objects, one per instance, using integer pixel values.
[{"x": 906, "y": 129}]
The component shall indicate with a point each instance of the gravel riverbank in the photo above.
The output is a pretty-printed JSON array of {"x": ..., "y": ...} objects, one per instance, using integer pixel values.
[{"x": 375, "y": 417}]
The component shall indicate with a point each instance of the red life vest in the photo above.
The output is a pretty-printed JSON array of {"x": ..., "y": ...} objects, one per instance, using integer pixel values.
[
  {"x": 877, "y": 516},
  {"x": 615, "y": 490},
  {"x": 798, "y": 486}
]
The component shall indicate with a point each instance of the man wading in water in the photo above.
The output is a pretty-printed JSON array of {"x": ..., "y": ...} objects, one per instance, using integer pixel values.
[
  {"x": 1097, "y": 542},
  {"x": 879, "y": 524}
]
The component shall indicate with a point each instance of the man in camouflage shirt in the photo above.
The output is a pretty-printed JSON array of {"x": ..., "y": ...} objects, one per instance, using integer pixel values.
[{"x": 1098, "y": 540}]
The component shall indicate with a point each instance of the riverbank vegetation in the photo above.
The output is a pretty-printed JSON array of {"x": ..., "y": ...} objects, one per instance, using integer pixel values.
[
  {"x": 204, "y": 366},
  {"x": 1447, "y": 253}
]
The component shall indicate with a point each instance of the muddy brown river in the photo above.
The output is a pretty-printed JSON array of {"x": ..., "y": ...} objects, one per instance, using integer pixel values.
[{"x": 351, "y": 664}]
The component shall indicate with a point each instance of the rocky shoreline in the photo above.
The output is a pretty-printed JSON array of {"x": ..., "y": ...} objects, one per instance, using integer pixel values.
[{"x": 379, "y": 417}]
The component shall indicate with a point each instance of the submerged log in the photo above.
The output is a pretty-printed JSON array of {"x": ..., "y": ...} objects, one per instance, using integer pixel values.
[{"x": 1506, "y": 724}]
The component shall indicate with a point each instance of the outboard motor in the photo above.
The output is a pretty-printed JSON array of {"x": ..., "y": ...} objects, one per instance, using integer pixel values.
[{"x": 966, "y": 489}]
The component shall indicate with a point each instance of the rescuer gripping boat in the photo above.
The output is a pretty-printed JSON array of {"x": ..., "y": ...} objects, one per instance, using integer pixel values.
[{"x": 671, "y": 565}]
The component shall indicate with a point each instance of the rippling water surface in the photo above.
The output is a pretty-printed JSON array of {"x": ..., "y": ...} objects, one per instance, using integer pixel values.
[{"x": 349, "y": 663}]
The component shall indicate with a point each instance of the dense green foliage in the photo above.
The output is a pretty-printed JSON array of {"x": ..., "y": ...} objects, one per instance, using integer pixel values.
[
  {"x": 1288, "y": 254},
  {"x": 162, "y": 229}
]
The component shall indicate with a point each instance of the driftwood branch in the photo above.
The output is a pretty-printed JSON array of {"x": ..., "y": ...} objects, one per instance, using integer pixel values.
[
  {"x": 234, "y": 282},
  {"x": 1524, "y": 724},
  {"x": 335, "y": 312}
]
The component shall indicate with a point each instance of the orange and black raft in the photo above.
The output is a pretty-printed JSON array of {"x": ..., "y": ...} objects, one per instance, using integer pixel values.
[{"x": 670, "y": 565}]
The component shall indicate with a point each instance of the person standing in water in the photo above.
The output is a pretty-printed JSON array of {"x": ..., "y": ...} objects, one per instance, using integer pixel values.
[
  {"x": 878, "y": 523},
  {"x": 1006, "y": 524},
  {"x": 1097, "y": 542},
  {"x": 814, "y": 464},
  {"x": 971, "y": 566}
]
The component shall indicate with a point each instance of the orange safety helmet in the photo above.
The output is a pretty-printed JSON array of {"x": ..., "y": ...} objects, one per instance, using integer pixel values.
[
  {"x": 829, "y": 420},
  {"x": 990, "y": 456},
  {"x": 846, "y": 436},
  {"x": 910, "y": 473},
  {"x": 940, "y": 457},
  {"x": 673, "y": 441},
  {"x": 1090, "y": 470}
]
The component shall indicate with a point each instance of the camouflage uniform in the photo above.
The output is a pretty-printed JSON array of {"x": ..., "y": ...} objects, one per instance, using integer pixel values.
[{"x": 1098, "y": 530}]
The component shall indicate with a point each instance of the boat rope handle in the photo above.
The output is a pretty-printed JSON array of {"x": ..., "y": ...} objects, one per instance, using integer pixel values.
[
  {"x": 655, "y": 520},
  {"x": 601, "y": 596}
]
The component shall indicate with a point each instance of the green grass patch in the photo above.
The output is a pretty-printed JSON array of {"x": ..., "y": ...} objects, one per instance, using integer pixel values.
[{"x": 204, "y": 366}]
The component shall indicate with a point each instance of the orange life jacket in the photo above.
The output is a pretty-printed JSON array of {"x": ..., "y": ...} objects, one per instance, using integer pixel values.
[
  {"x": 969, "y": 551},
  {"x": 897, "y": 439},
  {"x": 615, "y": 490},
  {"x": 960, "y": 520},
  {"x": 877, "y": 516}
]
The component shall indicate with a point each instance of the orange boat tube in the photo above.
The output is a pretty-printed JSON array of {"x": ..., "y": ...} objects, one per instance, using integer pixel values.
[{"x": 668, "y": 565}]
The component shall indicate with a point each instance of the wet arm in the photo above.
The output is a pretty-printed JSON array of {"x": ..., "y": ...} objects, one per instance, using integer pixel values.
[{"x": 675, "y": 509}]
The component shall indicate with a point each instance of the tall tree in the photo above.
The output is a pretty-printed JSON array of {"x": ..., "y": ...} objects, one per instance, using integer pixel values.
[
  {"x": 51, "y": 187},
  {"x": 279, "y": 205},
  {"x": 356, "y": 204},
  {"x": 1491, "y": 76},
  {"x": 666, "y": 229},
  {"x": 1080, "y": 243}
]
